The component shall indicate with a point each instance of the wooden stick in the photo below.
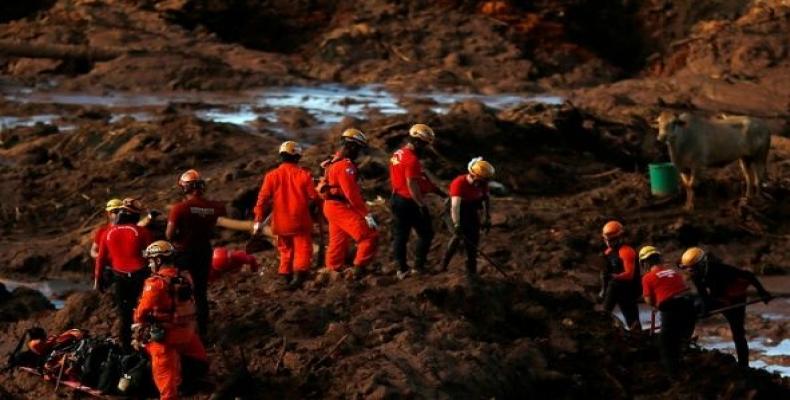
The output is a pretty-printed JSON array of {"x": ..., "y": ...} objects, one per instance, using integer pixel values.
[
  {"x": 330, "y": 352},
  {"x": 280, "y": 357}
]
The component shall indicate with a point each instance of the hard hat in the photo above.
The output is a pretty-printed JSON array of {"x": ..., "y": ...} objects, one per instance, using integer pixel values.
[
  {"x": 355, "y": 136},
  {"x": 291, "y": 147},
  {"x": 189, "y": 177},
  {"x": 132, "y": 205},
  {"x": 422, "y": 132},
  {"x": 481, "y": 168},
  {"x": 612, "y": 229},
  {"x": 113, "y": 205},
  {"x": 648, "y": 251},
  {"x": 692, "y": 257},
  {"x": 160, "y": 248}
]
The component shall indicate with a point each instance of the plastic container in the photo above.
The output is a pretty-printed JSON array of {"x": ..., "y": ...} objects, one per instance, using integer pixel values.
[{"x": 664, "y": 179}]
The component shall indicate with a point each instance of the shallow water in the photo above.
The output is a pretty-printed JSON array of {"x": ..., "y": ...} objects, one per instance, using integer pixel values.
[
  {"x": 55, "y": 290},
  {"x": 328, "y": 104},
  {"x": 765, "y": 353}
]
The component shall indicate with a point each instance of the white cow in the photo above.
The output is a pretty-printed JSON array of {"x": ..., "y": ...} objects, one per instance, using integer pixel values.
[{"x": 695, "y": 143}]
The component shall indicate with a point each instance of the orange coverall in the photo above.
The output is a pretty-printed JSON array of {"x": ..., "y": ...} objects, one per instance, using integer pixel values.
[
  {"x": 181, "y": 338},
  {"x": 287, "y": 191},
  {"x": 345, "y": 210}
]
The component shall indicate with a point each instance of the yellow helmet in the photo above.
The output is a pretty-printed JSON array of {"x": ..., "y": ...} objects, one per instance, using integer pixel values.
[
  {"x": 422, "y": 132},
  {"x": 160, "y": 248},
  {"x": 692, "y": 257},
  {"x": 291, "y": 147},
  {"x": 647, "y": 251},
  {"x": 612, "y": 229},
  {"x": 481, "y": 168},
  {"x": 356, "y": 136},
  {"x": 113, "y": 205}
]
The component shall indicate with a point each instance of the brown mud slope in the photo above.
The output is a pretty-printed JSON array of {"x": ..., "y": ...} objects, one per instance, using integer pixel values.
[
  {"x": 432, "y": 336},
  {"x": 566, "y": 170}
]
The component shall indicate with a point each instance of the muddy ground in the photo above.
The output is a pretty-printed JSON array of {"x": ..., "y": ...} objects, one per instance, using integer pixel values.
[{"x": 566, "y": 169}]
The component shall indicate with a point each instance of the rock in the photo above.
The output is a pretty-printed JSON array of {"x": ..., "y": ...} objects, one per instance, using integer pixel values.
[
  {"x": 22, "y": 304},
  {"x": 295, "y": 118}
]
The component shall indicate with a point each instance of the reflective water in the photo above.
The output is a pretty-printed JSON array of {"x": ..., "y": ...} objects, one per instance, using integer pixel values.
[
  {"x": 328, "y": 104},
  {"x": 55, "y": 290}
]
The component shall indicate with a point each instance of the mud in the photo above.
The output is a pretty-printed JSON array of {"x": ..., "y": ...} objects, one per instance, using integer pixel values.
[{"x": 538, "y": 89}]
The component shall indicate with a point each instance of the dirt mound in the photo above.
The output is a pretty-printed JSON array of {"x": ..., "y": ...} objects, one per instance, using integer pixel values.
[{"x": 21, "y": 303}]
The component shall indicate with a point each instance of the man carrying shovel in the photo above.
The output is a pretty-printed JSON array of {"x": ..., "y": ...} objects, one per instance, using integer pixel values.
[
  {"x": 468, "y": 200},
  {"x": 721, "y": 285},
  {"x": 664, "y": 289}
]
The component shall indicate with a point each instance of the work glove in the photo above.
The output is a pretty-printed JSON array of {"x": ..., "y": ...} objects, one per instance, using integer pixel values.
[
  {"x": 257, "y": 229},
  {"x": 371, "y": 222}
]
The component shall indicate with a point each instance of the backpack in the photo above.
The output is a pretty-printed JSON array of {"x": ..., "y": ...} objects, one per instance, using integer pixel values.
[
  {"x": 90, "y": 354},
  {"x": 61, "y": 360}
]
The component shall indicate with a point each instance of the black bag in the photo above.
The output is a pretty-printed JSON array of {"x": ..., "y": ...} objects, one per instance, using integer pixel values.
[
  {"x": 136, "y": 368},
  {"x": 110, "y": 373},
  {"x": 90, "y": 355}
]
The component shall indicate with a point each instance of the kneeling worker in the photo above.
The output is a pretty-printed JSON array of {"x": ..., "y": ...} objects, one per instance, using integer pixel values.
[
  {"x": 664, "y": 289},
  {"x": 167, "y": 308}
]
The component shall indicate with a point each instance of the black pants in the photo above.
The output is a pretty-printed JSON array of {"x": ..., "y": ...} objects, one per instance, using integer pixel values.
[
  {"x": 198, "y": 262},
  {"x": 126, "y": 290},
  {"x": 736, "y": 318},
  {"x": 678, "y": 317},
  {"x": 624, "y": 295},
  {"x": 407, "y": 216},
  {"x": 470, "y": 229}
]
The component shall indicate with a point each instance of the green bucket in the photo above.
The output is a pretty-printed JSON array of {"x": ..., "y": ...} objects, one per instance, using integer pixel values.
[{"x": 664, "y": 179}]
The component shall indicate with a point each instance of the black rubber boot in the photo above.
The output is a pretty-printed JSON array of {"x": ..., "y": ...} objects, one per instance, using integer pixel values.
[{"x": 297, "y": 281}]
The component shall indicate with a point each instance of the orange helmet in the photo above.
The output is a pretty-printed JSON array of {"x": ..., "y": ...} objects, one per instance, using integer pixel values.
[
  {"x": 160, "y": 248},
  {"x": 481, "y": 168},
  {"x": 692, "y": 257},
  {"x": 189, "y": 177},
  {"x": 612, "y": 229}
]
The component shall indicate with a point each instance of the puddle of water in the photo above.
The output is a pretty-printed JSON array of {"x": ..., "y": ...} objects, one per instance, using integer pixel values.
[
  {"x": 764, "y": 353},
  {"x": 327, "y": 103},
  {"x": 54, "y": 290},
  {"x": 7, "y": 122}
]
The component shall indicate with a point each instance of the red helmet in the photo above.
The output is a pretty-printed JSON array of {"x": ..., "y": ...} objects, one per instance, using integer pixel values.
[{"x": 220, "y": 260}]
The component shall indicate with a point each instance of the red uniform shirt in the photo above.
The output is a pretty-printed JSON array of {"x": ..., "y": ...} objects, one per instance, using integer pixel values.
[
  {"x": 194, "y": 220},
  {"x": 287, "y": 190},
  {"x": 662, "y": 283},
  {"x": 341, "y": 176},
  {"x": 628, "y": 257},
  {"x": 122, "y": 249},
  {"x": 405, "y": 165},
  {"x": 468, "y": 192},
  {"x": 100, "y": 233}
]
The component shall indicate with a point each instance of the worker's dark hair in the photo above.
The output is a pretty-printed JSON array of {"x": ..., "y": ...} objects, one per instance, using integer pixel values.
[
  {"x": 127, "y": 217},
  {"x": 290, "y": 158},
  {"x": 653, "y": 260}
]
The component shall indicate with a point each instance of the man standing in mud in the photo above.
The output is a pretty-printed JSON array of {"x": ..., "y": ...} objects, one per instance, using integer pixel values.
[
  {"x": 345, "y": 209},
  {"x": 111, "y": 211},
  {"x": 468, "y": 199},
  {"x": 409, "y": 211},
  {"x": 122, "y": 249},
  {"x": 722, "y": 285},
  {"x": 665, "y": 289},
  {"x": 288, "y": 193},
  {"x": 190, "y": 227},
  {"x": 621, "y": 279}
]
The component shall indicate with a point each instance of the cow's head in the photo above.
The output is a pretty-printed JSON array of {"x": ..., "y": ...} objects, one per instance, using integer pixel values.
[{"x": 669, "y": 126}]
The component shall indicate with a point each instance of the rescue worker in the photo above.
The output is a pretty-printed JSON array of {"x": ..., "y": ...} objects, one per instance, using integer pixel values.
[
  {"x": 111, "y": 212},
  {"x": 410, "y": 185},
  {"x": 289, "y": 194},
  {"x": 345, "y": 209},
  {"x": 721, "y": 285},
  {"x": 122, "y": 249},
  {"x": 621, "y": 280},
  {"x": 190, "y": 227},
  {"x": 468, "y": 200},
  {"x": 666, "y": 291},
  {"x": 167, "y": 310}
]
